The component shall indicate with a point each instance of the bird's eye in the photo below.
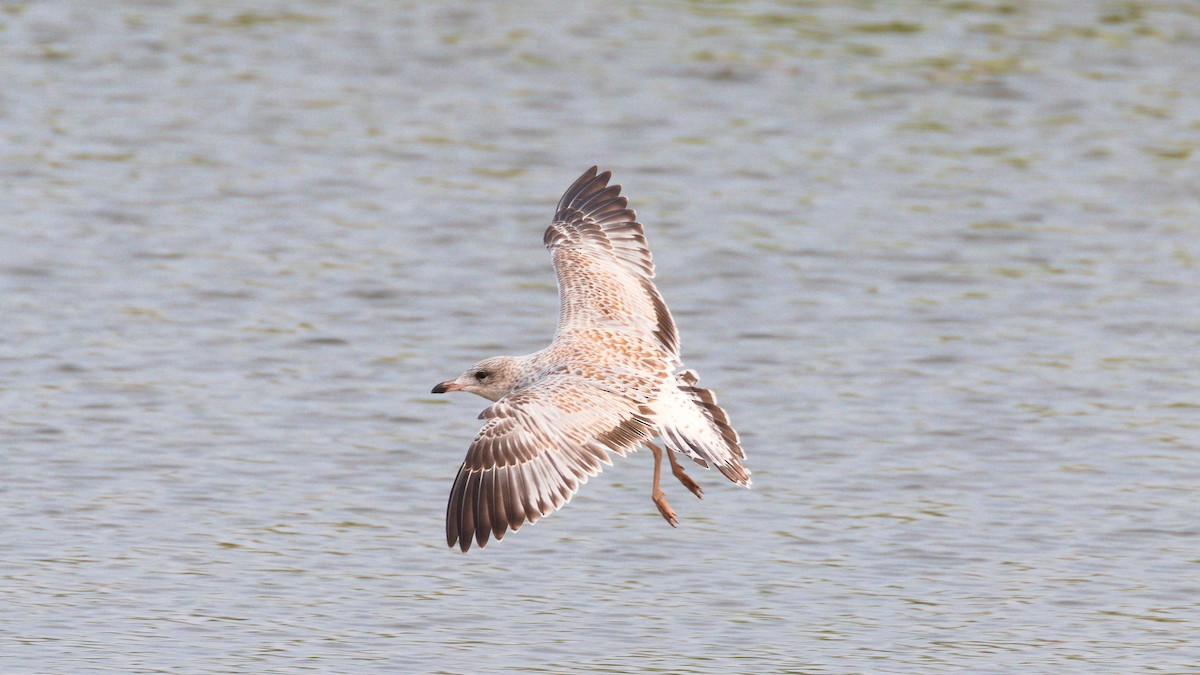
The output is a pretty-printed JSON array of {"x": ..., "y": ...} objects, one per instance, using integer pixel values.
[{"x": 481, "y": 374}]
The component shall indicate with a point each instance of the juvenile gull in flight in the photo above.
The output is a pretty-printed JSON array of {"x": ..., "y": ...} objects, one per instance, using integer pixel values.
[{"x": 610, "y": 381}]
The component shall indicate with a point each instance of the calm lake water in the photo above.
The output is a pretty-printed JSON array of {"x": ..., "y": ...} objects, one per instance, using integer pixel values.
[{"x": 940, "y": 260}]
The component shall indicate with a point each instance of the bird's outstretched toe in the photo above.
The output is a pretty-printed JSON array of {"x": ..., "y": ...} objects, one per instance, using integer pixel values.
[
  {"x": 660, "y": 500},
  {"x": 687, "y": 481}
]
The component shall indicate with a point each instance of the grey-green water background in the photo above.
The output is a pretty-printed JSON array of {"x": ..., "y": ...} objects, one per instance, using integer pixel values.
[{"x": 940, "y": 260}]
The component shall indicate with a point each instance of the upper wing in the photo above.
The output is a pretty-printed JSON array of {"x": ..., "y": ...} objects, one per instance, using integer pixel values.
[
  {"x": 538, "y": 446},
  {"x": 603, "y": 264}
]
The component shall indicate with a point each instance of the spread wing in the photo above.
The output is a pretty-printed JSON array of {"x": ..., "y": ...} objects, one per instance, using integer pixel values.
[
  {"x": 605, "y": 276},
  {"x": 538, "y": 446}
]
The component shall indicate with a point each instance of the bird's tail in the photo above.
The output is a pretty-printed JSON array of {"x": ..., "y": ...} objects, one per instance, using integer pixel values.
[{"x": 691, "y": 422}]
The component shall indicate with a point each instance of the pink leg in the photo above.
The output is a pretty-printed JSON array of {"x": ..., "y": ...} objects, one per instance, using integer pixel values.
[{"x": 660, "y": 500}]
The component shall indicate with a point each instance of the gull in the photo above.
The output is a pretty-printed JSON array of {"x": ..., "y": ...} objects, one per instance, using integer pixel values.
[{"x": 611, "y": 380}]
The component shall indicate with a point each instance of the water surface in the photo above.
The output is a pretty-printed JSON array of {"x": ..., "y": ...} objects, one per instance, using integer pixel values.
[{"x": 939, "y": 260}]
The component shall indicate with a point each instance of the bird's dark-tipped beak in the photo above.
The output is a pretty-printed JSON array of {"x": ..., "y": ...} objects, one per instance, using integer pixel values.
[{"x": 445, "y": 387}]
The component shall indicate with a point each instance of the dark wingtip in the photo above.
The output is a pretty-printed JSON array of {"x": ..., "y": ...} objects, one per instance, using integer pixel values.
[{"x": 584, "y": 180}]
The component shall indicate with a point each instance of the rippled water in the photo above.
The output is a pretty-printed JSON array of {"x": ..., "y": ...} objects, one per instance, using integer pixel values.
[{"x": 940, "y": 260}]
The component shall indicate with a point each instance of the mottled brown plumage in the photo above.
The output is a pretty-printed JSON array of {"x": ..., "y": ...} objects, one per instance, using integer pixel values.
[{"x": 608, "y": 382}]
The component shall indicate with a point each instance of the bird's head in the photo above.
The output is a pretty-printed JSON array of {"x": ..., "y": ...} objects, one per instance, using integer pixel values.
[{"x": 490, "y": 378}]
